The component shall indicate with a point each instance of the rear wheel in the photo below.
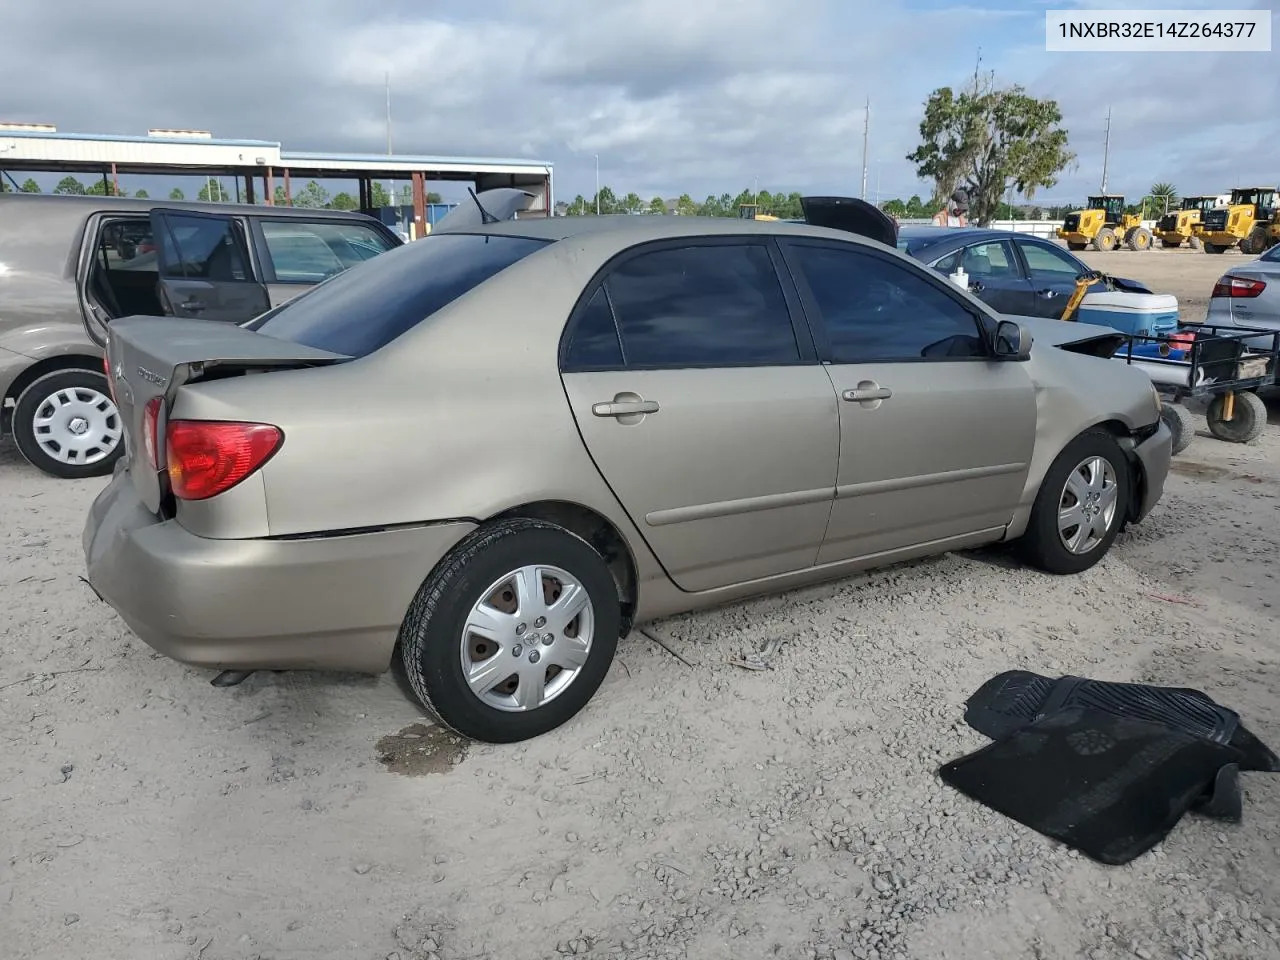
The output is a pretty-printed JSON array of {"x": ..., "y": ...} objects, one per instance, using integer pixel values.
[
  {"x": 514, "y": 631},
  {"x": 1170, "y": 244},
  {"x": 1195, "y": 243},
  {"x": 1105, "y": 240},
  {"x": 1256, "y": 241},
  {"x": 66, "y": 424},
  {"x": 1213, "y": 247},
  {"x": 1181, "y": 424},
  {"x": 1080, "y": 507},
  {"x": 1248, "y": 418},
  {"x": 1074, "y": 245},
  {"x": 1139, "y": 238}
]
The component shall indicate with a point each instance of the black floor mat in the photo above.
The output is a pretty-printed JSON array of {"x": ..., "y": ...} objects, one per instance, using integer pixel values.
[
  {"x": 1111, "y": 786},
  {"x": 1011, "y": 700}
]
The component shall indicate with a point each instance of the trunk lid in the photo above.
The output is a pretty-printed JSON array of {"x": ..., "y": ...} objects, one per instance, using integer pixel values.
[
  {"x": 149, "y": 357},
  {"x": 851, "y": 215}
]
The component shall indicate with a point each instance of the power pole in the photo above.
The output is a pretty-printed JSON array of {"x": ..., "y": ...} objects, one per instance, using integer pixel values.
[
  {"x": 866, "y": 130},
  {"x": 388, "y": 113},
  {"x": 1106, "y": 152},
  {"x": 597, "y": 184}
]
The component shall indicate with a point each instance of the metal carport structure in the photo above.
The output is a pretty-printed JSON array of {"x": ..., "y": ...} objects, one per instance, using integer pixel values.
[{"x": 40, "y": 148}]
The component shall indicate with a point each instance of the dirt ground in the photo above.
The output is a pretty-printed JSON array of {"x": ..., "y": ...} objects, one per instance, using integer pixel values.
[
  {"x": 695, "y": 810},
  {"x": 1187, "y": 274}
]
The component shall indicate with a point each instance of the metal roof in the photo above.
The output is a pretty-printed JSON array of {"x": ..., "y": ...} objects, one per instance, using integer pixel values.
[{"x": 51, "y": 150}]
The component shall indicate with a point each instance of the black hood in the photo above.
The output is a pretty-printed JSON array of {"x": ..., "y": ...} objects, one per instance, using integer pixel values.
[{"x": 851, "y": 215}]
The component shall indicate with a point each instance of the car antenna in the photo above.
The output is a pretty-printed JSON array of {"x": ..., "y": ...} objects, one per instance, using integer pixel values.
[{"x": 485, "y": 215}]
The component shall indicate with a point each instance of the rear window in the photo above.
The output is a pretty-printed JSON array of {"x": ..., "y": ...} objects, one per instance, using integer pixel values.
[{"x": 365, "y": 308}]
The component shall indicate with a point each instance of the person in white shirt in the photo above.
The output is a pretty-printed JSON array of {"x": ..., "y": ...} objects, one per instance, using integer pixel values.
[{"x": 953, "y": 214}]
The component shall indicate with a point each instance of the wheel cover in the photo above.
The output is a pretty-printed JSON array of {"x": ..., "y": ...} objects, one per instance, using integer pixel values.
[
  {"x": 1087, "y": 505},
  {"x": 77, "y": 426},
  {"x": 527, "y": 638}
]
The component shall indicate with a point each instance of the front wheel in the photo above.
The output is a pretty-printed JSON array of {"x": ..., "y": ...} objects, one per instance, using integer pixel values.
[
  {"x": 1081, "y": 505},
  {"x": 1104, "y": 240},
  {"x": 514, "y": 631},
  {"x": 66, "y": 424}
]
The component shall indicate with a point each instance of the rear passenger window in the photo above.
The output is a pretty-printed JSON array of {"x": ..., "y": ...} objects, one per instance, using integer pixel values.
[
  {"x": 593, "y": 342},
  {"x": 309, "y": 252},
  {"x": 704, "y": 305},
  {"x": 202, "y": 247}
]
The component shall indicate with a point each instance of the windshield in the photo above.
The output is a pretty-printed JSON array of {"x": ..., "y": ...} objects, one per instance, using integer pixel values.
[
  {"x": 363, "y": 309},
  {"x": 1272, "y": 255}
]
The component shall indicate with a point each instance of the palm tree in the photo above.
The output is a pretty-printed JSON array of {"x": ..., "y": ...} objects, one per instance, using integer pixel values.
[{"x": 1165, "y": 193}]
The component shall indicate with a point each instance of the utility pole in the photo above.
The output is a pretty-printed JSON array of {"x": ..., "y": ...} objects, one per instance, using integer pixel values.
[
  {"x": 597, "y": 184},
  {"x": 388, "y": 113},
  {"x": 866, "y": 130},
  {"x": 1106, "y": 152}
]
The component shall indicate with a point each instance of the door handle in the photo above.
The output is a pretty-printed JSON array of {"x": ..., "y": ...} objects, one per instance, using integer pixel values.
[
  {"x": 1047, "y": 294},
  {"x": 195, "y": 306},
  {"x": 624, "y": 408},
  {"x": 976, "y": 286},
  {"x": 867, "y": 393}
]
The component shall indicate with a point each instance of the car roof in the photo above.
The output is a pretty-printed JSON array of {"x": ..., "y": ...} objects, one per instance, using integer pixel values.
[
  {"x": 922, "y": 238},
  {"x": 644, "y": 227},
  {"x": 33, "y": 202}
]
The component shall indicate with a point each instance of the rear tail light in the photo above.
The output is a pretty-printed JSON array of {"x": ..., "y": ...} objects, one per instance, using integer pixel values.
[
  {"x": 209, "y": 457},
  {"x": 1238, "y": 287},
  {"x": 151, "y": 431}
]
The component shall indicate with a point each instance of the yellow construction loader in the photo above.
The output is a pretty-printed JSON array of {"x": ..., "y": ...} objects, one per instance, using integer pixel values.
[
  {"x": 1104, "y": 225},
  {"x": 751, "y": 211},
  {"x": 1245, "y": 221},
  {"x": 1180, "y": 226}
]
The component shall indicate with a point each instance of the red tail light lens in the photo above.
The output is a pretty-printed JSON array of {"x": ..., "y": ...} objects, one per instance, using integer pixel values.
[
  {"x": 1238, "y": 287},
  {"x": 151, "y": 431},
  {"x": 208, "y": 457}
]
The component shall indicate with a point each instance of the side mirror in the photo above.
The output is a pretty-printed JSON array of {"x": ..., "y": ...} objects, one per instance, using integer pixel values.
[{"x": 1012, "y": 341}]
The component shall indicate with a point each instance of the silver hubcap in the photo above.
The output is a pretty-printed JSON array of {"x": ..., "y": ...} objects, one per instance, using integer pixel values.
[
  {"x": 77, "y": 426},
  {"x": 528, "y": 638},
  {"x": 1088, "y": 505}
]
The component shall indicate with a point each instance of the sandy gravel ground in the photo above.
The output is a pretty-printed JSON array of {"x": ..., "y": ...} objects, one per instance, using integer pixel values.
[{"x": 695, "y": 810}]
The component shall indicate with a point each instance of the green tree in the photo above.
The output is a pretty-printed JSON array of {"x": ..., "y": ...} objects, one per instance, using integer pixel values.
[
  {"x": 104, "y": 188},
  {"x": 177, "y": 194},
  {"x": 1164, "y": 197},
  {"x": 213, "y": 192},
  {"x": 578, "y": 207},
  {"x": 894, "y": 207},
  {"x": 657, "y": 206},
  {"x": 632, "y": 203},
  {"x": 345, "y": 201},
  {"x": 4, "y": 186},
  {"x": 311, "y": 195},
  {"x": 987, "y": 140},
  {"x": 29, "y": 186},
  {"x": 142, "y": 195},
  {"x": 69, "y": 186},
  {"x": 380, "y": 198},
  {"x": 433, "y": 197},
  {"x": 606, "y": 201},
  {"x": 685, "y": 206}
]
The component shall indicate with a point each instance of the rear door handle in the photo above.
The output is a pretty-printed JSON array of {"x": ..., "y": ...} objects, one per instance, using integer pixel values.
[
  {"x": 867, "y": 393},
  {"x": 624, "y": 408},
  {"x": 1047, "y": 294},
  {"x": 195, "y": 306}
]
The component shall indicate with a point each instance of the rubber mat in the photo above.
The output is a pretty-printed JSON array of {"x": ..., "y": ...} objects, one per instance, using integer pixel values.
[
  {"x": 1110, "y": 786},
  {"x": 1011, "y": 700}
]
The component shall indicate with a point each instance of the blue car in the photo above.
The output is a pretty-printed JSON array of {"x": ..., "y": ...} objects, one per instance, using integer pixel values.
[{"x": 1015, "y": 273}]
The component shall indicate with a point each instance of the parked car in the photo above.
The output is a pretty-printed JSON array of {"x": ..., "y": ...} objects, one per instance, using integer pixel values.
[
  {"x": 1015, "y": 273},
  {"x": 496, "y": 450},
  {"x": 1249, "y": 296},
  {"x": 70, "y": 265}
]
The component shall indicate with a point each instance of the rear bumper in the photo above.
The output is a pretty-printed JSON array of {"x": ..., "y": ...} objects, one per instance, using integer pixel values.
[
  {"x": 1153, "y": 455},
  {"x": 328, "y": 603}
]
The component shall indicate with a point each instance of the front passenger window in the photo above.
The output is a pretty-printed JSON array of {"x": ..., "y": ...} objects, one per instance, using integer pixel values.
[{"x": 877, "y": 311}]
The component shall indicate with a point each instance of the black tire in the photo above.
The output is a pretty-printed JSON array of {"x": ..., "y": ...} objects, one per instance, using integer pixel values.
[
  {"x": 1212, "y": 247},
  {"x": 1171, "y": 244},
  {"x": 1138, "y": 239},
  {"x": 1256, "y": 241},
  {"x": 1104, "y": 240},
  {"x": 1073, "y": 245},
  {"x": 432, "y": 632},
  {"x": 41, "y": 392},
  {"x": 1248, "y": 419},
  {"x": 1195, "y": 243},
  {"x": 1042, "y": 546},
  {"x": 1181, "y": 424}
]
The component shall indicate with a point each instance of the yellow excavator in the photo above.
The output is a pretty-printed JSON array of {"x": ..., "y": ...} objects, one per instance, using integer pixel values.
[
  {"x": 1181, "y": 226},
  {"x": 1104, "y": 225},
  {"x": 751, "y": 211},
  {"x": 1246, "y": 221}
]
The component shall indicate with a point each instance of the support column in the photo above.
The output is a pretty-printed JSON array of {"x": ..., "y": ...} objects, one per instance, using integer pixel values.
[
  {"x": 419, "y": 205},
  {"x": 248, "y": 188},
  {"x": 288, "y": 190},
  {"x": 115, "y": 181},
  {"x": 270, "y": 182}
]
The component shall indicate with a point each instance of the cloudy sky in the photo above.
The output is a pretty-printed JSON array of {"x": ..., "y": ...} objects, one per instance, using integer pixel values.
[{"x": 673, "y": 95}]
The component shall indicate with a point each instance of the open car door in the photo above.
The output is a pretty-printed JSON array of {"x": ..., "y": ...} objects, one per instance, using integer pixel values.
[
  {"x": 204, "y": 267},
  {"x": 851, "y": 215},
  {"x": 501, "y": 203}
]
